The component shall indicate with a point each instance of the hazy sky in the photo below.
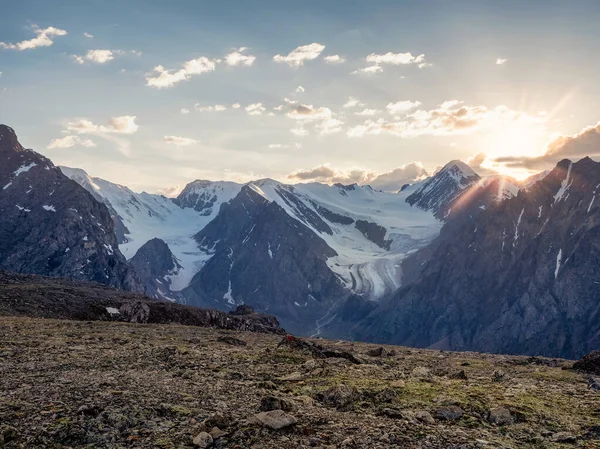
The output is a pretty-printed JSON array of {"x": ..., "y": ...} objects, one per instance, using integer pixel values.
[{"x": 154, "y": 94}]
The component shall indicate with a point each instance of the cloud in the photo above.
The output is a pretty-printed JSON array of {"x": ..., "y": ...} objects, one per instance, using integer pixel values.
[
  {"x": 352, "y": 102},
  {"x": 124, "y": 124},
  {"x": 170, "y": 192},
  {"x": 255, "y": 109},
  {"x": 308, "y": 112},
  {"x": 367, "y": 112},
  {"x": 278, "y": 146},
  {"x": 70, "y": 141},
  {"x": 397, "y": 59},
  {"x": 299, "y": 130},
  {"x": 501, "y": 61},
  {"x": 371, "y": 70},
  {"x": 329, "y": 125},
  {"x": 402, "y": 106},
  {"x": 179, "y": 141},
  {"x": 584, "y": 143},
  {"x": 214, "y": 108},
  {"x": 300, "y": 89},
  {"x": 451, "y": 117},
  {"x": 43, "y": 39},
  {"x": 334, "y": 59},
  {"x": 88, "y": 35},
  {"x": 394, "y": 180},
  {"x": 298, "y": 56},
  {"x": 168, "y": 78},
  {"x": 185, "y": 111},
  {"x": 97, "y": 56},
  {"x": 477, "y": 162},
  {"x": 238, "y": 58},
  {"x": 236, "y": 106},
  {"x": 390, "y": 181}
]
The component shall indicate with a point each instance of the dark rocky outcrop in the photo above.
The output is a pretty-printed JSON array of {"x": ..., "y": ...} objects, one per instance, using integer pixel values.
[
  {"x": 46, "y": 297},
  {"x": 153, "y": 263},
  {"x": 520, "y": 277},
  {"x": 374, "y": 233},
  {"x": 589, "y": 363},
  {"x": 50, "y": 225}
]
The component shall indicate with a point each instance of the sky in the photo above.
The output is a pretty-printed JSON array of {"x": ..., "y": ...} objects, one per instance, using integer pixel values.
[{"x": 154, "y": 94}]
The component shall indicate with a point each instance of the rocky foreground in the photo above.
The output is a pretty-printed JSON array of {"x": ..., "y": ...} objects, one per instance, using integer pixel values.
[{"x": 113, "y": 384}]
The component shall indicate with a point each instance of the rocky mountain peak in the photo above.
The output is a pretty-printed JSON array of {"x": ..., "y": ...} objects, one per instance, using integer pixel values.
[
  {"x": 437, "y": 192},
  {"x": 9, "y": 140}
]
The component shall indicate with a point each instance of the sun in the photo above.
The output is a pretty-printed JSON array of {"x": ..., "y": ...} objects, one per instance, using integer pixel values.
[{"x": 513, "y": 140}]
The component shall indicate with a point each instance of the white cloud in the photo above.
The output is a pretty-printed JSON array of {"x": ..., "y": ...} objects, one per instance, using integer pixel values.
[
  {"x": 96, "y": 56},
  {"x": 70, "y": 141},
  {"x": 88, "y": 35},
  {"x": 449, "y": 118},
  {"x": 124, "y": 124},
  {"x": 308, "y": 112},
  {"x": 179, "y": 141},
  {"x": 402, "y": 106},
  {"x": 397, "y": 59},
  {"x": 334, "y": 59},
  {"x": 121, "y": 125},
  {"x": 300, "y": 89},
  {"x": 298, "y": 56},
  {"x": 255, "y": 109},
  {"x": 185, "y": 111},
  {"x": 279, "y": 146},
  {"x": 167, "y": 78},
  {"x": 329, "y": 125},
  {"x": 236, "y": 106},
  {"x": 299, "y": 130},
  {"x": 43, "y": 39},
  {"x": 501, "y": 61},
  {"x": 213, "y": 108},
  {"x": 367, "y": 112},
  {"x": 352, "y": 102},
  {"x": 369, "y": 70},
  {"x": 391, "y": 181},
  {"x": 237, "y": 57},
  {"x": 170, "y": 192}
]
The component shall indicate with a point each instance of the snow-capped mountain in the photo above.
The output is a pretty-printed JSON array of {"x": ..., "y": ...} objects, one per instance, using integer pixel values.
[
  {"x": 521, "y": 277},
  {"x": 438, "y": 192},
  {"x": 49, "y": 225},
  {"x": 455, "y": 261}
]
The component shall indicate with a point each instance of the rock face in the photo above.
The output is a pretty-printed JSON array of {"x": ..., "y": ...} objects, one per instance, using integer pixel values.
[
  {"x": 521, "y": 277},
  {"x": 46, "y": 297},
  {"x": 439, "y": 191},
  {"x": 264, "y": 258},
  {"x": 50, "y": 225},
  {"x": 154, "y": 263}
]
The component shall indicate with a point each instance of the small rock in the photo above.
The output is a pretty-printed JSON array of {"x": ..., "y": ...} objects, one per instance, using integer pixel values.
[
  {"x": 269, "y": 403},
  {"x": 232, "y": 341},
  {"x": 274, "y": 419},
  {"x": 295, "y": 376},
  {"x": 398, "y": 383},
  {"x": 500, "y": 416},
  {"x": 424, "y": 417},
  {"x": 564, "y": 437},
  {"x": 460, "y": 375},
  {"x": 420, "y": 371},
  {"x": 216, "y": 433},
  {"x": 381, "y": 352},
  {"x": 391, "y": 413},
  {"x": 310, "y": 365},
  {"x": 339, "y": 396},
  {"x": 305, "y": 400},
  {"x": 220, "y": 420},
  {"x": 449, "y": 413},
  {"x": 203, "y": 440}
]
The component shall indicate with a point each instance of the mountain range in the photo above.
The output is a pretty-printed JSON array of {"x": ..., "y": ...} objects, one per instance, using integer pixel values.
[{"x": 456, "y": 261}]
